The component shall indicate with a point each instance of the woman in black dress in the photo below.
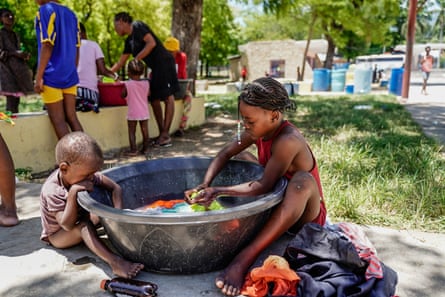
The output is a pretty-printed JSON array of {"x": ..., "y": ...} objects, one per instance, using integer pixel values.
[{"x": 144, "y": 45}]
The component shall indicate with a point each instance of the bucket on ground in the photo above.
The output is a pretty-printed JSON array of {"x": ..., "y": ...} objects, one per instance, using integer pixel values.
[
  {"x": 362, "y": 80},
  {"x": 289, "y": 88},
  {"x": 396, "y": 81},
  {"x": 338, "y": 79},
  {"x": 321, "y": 80}
]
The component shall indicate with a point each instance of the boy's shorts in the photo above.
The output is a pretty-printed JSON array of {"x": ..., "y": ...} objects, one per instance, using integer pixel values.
[{"x": 53, "y": 95}]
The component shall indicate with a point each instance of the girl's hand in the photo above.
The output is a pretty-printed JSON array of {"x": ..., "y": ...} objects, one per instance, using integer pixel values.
[{"x": 203, "y": 197}]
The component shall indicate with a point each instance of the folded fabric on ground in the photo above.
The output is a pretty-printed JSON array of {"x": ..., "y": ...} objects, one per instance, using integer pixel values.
[
  {"x": 276, "y": 273},
  {"x": 329, "y": 264}
]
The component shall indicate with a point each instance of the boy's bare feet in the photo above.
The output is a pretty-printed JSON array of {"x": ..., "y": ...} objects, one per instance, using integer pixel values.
[
  {"x": 126, "y": 269},
  {"x": 231, "y": 280},
  {"x": 7, "y": 218}
]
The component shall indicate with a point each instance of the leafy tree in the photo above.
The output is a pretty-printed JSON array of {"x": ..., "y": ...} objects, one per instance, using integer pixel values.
[{"x": 219, "y": 35}]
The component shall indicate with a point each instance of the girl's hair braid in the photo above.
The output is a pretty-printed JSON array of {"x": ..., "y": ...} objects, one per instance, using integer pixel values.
[
  {"x": 267, "y": 93},
  {"x": 136, "y": 67}
]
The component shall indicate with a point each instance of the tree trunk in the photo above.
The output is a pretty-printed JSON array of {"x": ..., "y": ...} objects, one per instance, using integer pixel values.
[
  {"x": 330, "y": 52},
  {"x": 186, "y": 27},
  {"x": 306, "y": 49}
]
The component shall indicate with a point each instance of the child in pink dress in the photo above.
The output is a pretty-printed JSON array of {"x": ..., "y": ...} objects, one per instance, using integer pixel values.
[{"x": 136, "y": 93}]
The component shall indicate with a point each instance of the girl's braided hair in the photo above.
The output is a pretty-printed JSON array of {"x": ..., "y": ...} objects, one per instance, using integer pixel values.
[
  {"x": 267, "y": 93},
  {"x": 136, "y": 67}
]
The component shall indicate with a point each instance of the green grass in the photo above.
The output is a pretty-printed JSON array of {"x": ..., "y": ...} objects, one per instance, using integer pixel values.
[
  {"x": 29, "y": 103},
  {"x": 376, "y": 165}
]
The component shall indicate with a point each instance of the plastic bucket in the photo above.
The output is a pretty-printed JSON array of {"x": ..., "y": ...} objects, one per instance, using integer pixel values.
[
  {"x": 295, "y": 88},
  {"x": 289, "y": 88},
  {"x": 349, "y": 89},
  {"x": 110, "y": 94},
  {"x": 338, "y": 79},
  {"x": 362, "y": 80},
  {"x": 321, "y": 80},
  {"x": 396, "y": 81}
]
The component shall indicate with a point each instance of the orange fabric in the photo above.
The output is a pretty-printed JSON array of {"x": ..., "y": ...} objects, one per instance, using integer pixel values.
[
  {"x": 275, "y": 270},
  {"x": 163, "y": 203}
]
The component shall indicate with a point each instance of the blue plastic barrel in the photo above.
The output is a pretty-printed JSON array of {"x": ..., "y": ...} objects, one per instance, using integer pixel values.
[
  {"x": 338, "y": 79},
  {"x": 295, "y": 88},
  {"x": 289, "y": 88},
  {"x": 396, "y": 81},
  {"x": 362, "y": 80},
  {"x": 321, "y": 80}
]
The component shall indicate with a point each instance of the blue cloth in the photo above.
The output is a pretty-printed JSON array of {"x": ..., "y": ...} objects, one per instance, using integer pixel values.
[{"x": 59, "y": 26}]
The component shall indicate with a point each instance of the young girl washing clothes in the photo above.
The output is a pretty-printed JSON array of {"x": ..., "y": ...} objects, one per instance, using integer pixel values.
[
  {"x": 283, "y": 151},
  {"x": 136, "y": 93}
]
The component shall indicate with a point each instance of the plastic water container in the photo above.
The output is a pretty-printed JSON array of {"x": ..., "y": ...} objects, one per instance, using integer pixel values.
[
  {"x": 321, "y": 80},
  {"x": 338, "y": 79},
  {"x": 349, "y": 89},
  {"x": 295, "y": 88},
  {"x": 362, "y": 80},
  {"x": 289, "y": 88},
  {"x": 396, "y": 81}
]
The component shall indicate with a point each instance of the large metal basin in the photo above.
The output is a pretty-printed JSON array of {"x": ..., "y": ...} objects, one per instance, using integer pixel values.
[{"x": 180, "y": 242}]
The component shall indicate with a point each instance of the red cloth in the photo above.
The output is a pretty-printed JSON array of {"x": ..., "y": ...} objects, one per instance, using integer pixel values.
[
  {"x": 275, "y": 270},
  {"x": 365, "y": 249},
  {"x": 181, "y": 65}
]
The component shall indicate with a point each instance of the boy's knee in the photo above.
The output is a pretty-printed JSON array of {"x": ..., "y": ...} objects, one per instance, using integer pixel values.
[{"x": 302, "y": 182}]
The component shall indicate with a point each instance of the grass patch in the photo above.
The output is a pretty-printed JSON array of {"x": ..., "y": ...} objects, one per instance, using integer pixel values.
[
  {"x": 376, "y": 165},
  {"x": 30, "y": 103}
]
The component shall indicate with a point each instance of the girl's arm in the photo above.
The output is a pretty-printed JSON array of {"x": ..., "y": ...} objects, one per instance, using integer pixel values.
[{"x": 124, "y": 92}]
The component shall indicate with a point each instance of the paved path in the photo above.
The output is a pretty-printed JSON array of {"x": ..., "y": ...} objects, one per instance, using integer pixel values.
[{"x": 30, "y": 268}]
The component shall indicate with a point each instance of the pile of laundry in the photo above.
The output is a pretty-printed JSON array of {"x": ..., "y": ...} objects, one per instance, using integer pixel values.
[{"x": 334, "y": 260}]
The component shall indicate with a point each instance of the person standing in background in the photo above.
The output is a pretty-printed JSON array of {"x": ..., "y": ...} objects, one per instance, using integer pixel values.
[
  {"x": 15, "y": 75},
  {"x": 173, "y": 46},
  {"x": 426, "y": 65},
  {"x": 143, "y": 44},
  {"x": 58, "y": 40},
  {"x": 136, "y": 92},
  {"x": 91, "y": 64}
]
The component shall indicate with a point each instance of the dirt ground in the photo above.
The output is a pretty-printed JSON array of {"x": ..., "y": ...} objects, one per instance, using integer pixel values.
[{"x": 205, "y": 140}]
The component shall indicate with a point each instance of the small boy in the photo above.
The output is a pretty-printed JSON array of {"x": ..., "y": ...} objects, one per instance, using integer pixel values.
[{"x": 64, "y": 224}]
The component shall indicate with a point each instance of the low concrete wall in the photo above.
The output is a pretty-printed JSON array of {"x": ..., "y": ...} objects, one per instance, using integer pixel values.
[{"x": 32, "y": 139}]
